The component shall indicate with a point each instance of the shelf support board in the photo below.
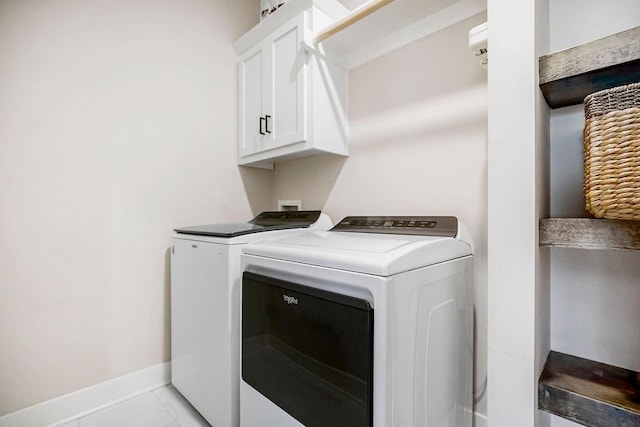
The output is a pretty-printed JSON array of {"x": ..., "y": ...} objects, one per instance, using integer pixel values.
[
  {"x": 590, "y": 233},
  {"x": 590, "y": 393},
  {"x": 567, "y": 76}
]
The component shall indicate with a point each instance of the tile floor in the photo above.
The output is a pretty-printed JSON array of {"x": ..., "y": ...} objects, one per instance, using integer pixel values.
[{"x": 163, "y": 407}]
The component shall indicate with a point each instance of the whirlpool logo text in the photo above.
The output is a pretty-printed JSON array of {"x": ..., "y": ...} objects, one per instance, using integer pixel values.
[{"x": 290, "y": 300}]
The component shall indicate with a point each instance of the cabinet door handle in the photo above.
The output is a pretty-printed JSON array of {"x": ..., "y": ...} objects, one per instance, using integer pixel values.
[
  {"x": 262, "y": 119},
  {"x": 266, "y": 124}
]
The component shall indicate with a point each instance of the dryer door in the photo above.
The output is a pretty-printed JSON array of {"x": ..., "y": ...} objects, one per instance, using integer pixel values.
[{"x": 308, "y": 351}]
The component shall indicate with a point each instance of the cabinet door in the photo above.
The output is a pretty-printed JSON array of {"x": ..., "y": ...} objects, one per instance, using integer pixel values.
[
  {"x": 287, "y": 103},
  {"x": 252, "y": 81}
]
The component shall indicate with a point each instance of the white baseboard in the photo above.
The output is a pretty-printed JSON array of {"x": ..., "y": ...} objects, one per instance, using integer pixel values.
[
  {"x": 83, "y": 402},
  {"x": 91, "y": 399}
]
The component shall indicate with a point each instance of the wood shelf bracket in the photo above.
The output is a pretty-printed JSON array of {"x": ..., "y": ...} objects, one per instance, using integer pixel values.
[{"x": 591, "y": 393}]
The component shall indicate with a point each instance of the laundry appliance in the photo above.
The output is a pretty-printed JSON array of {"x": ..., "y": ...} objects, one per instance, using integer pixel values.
[
  {"x": 205, "y": 306},
  {"x": 368, "y": 324}
]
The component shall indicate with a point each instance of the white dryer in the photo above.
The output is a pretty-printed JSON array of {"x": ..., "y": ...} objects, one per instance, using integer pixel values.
[
  {"x": 205, "y": 306},
  {"x": 369, "y": 324}
]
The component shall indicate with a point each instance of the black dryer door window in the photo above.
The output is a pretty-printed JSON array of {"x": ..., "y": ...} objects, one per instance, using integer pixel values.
[{"x": 309, "y": 351}]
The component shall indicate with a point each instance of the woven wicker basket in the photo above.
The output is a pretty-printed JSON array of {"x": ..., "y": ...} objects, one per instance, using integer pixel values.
[{"x": 612, "y": 153}]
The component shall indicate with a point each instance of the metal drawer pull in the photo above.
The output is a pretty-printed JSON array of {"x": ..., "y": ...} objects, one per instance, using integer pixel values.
[{"x": 266, "y": 123}]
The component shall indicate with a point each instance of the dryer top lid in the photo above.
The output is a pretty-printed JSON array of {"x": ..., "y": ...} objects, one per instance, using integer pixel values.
[{"x": 380, "y": 254}]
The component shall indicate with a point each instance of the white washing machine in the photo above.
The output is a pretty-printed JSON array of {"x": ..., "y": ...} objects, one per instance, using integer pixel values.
[
  {"x": 205, "y": 307},
  {"x": 369, "y": 324}
]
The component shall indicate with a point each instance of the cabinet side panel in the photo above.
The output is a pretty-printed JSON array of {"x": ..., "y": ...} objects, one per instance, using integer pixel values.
[
  {"x": 328, "y": 89},
  {"x": 329, "y": 107}
]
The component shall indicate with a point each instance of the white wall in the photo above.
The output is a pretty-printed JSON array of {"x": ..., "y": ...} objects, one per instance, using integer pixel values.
[
  {"x": 418, "y": 123},
  {"x": 595, "y": 295},
  {"x": 117, "y": 124},
  {"x": 518, "y": 270}
]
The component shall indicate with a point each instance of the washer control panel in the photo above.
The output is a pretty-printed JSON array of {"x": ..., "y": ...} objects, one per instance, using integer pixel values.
[
  {"x": 417, "y": 225},
  {"x": 268, "y": 218}
]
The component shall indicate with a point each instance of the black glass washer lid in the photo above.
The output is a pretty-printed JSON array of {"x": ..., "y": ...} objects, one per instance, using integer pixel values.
[{"x": 266, "y": 221}]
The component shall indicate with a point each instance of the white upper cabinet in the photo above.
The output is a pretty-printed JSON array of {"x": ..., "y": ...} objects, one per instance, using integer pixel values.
[
  {"x": 292, "y": 101},
  {"x": 292, "y": 68},
  {"x": 273, "y": 90}
]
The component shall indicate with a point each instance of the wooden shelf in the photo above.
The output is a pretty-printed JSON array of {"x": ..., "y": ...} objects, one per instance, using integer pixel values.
[
  {"x": 591, "y": 393},
  {"x": 590, "y": 233},
  {"x": 567, "y": 76}
]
